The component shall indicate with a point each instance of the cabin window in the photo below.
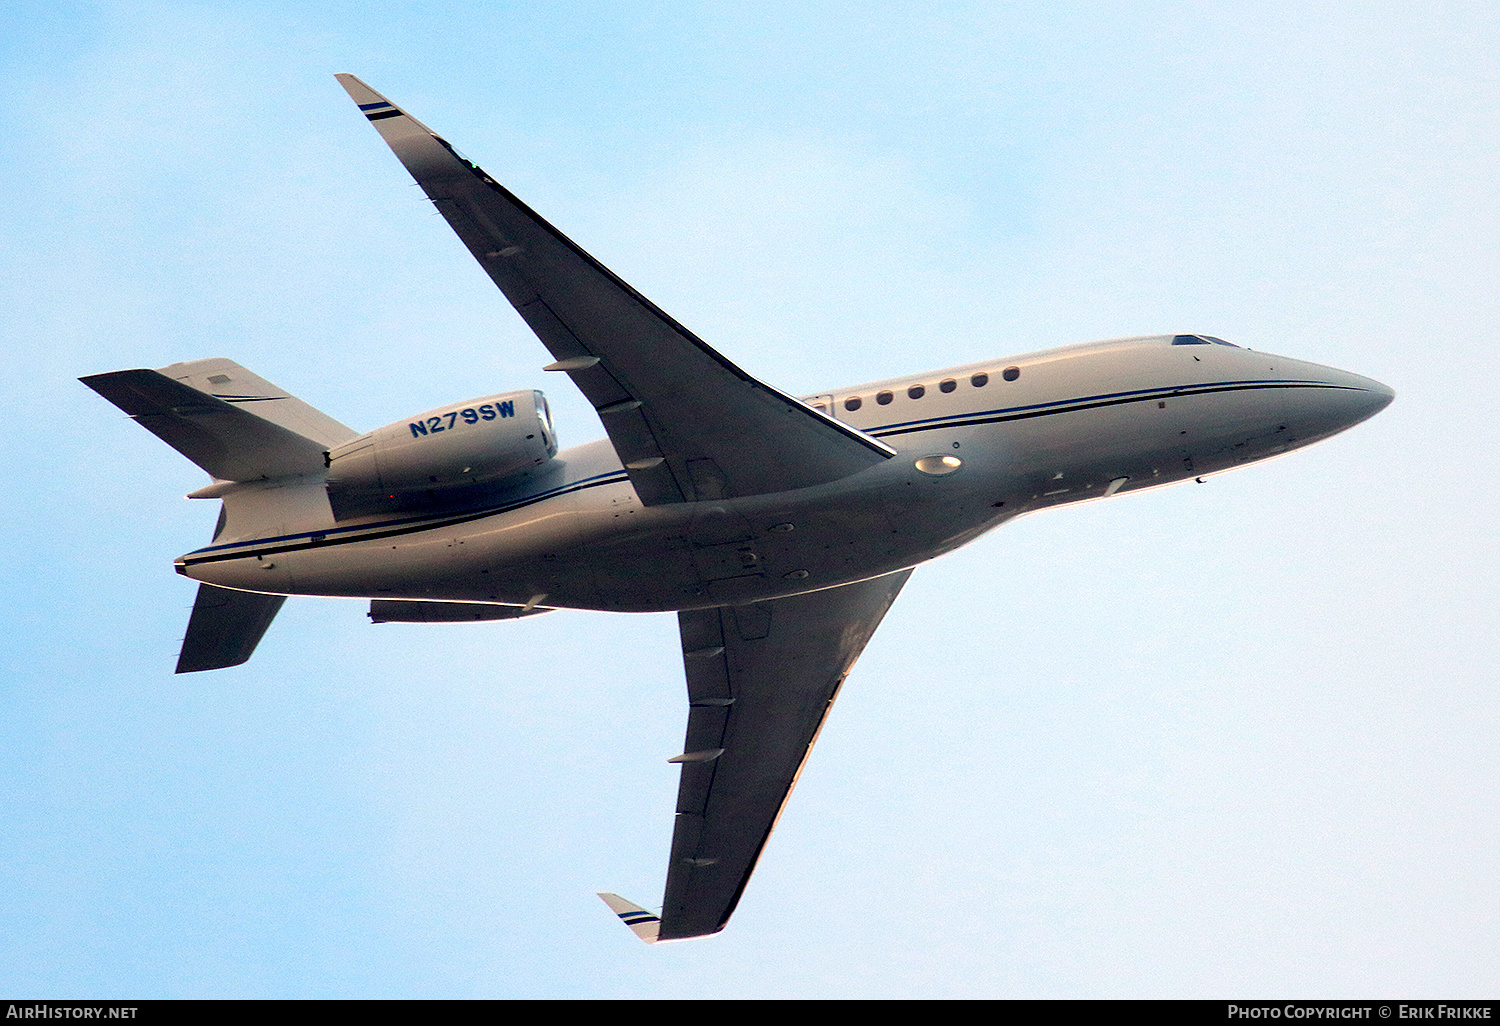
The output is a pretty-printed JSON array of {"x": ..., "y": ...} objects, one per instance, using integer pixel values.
[
  {"x": 980, "y": 380},
  {"x": 884, "y": 398},
  {"x": 853, "y": 403},
  {"x": 916, "y": 391},
  {"x": 1011, "y": 373},
  {"x": 947, "y": 385}
]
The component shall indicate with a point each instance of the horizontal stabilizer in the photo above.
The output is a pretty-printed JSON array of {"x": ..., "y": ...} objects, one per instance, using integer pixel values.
[
  {"x": 229, "y": 442},
  {"x": 225, "y": 627},
  {"x": 642, "y": 923},
  {"x": 227, "y": 380}
]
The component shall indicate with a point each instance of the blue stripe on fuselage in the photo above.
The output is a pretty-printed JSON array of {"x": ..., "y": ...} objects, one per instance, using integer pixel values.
[
  {"x": 1086, "y": 403},
  {"x": 412, "y": 525},
  {"x": 384, "y": 529}
]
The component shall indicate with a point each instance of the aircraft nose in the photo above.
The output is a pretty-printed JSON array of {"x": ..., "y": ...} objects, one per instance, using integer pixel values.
[
  {"x": 1380, "y": 397},
  {"x": 1338, "y": 401},
  {"x": 1365, "y": 397}
]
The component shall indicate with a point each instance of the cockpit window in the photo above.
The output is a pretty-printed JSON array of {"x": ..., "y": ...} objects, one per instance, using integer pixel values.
[{"x": 1200, "y": 340}]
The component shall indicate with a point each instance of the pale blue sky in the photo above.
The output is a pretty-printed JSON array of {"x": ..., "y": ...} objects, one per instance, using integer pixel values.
[{"x": 1227, "y": 739}]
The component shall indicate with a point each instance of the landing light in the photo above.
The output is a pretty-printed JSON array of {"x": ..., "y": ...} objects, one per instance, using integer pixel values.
[{"x": 937, "y": 466}]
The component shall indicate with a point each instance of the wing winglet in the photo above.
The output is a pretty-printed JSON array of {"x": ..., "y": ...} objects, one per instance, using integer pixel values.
[{"x": 642, "y": 923}]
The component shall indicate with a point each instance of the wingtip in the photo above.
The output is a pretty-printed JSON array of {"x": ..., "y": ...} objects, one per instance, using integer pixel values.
[
  {"x": 358, "y": 91},
  {"x": 644, "y": 924},
  {"x": 391, "y": 121}
]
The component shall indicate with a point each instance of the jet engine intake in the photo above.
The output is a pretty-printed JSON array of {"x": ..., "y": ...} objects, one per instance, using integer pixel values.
[{"x": 446, "y": 457}]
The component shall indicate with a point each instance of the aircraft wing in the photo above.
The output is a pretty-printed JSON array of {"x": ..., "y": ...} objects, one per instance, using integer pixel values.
[
  {"x": 761, "y": 678},
  {"x": 686, "y": 422}
]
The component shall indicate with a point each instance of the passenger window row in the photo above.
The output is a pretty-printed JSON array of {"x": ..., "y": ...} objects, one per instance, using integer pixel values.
[{"x": 885, "y": 398}]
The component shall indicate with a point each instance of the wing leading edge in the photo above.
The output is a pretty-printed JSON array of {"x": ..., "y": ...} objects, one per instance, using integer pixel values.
[
  {"x": 686, "y": 422},
  {"x": 761, "y": 679}
]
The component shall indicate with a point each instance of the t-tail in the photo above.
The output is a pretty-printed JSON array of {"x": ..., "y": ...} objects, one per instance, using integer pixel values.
[{"x": 267, "y": 453}]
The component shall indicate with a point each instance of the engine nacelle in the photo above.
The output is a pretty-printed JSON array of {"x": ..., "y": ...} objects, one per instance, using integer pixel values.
[{"x": 444, "y": 457}]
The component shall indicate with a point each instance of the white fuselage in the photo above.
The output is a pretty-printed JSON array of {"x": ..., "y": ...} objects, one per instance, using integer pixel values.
[{"x": 1022, "y": 434}]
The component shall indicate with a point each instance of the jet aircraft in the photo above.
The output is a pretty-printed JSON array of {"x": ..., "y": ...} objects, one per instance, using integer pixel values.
[{"x": 779, "y": 529}]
